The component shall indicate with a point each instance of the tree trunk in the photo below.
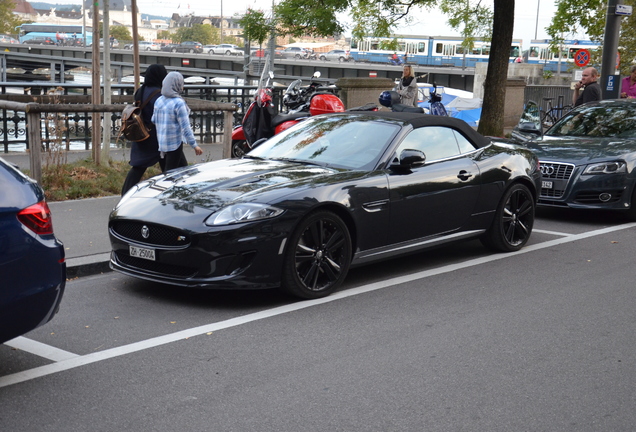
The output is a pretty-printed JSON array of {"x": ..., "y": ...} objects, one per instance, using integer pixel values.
[{"x": 492, "y": 115}]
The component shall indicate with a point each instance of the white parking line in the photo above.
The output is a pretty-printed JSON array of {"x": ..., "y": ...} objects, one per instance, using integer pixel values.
[
  {"x": 40, "y": 349},
  {"x": 197, "y": 331},
  {"x": 551, "y": 232}
]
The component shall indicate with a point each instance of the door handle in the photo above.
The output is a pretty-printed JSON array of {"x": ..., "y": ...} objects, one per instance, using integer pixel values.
[{"x": 464, "y": 175}]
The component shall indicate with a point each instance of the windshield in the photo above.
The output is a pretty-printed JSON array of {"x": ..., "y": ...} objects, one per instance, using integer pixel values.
[
  {"x": 341, "y": 141},
  {"x": 603, "y": 120}
]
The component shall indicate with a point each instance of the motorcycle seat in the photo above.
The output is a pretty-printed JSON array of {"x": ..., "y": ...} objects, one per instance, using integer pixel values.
[
  {"x": 282, "y": 118},
  {"x": 407, "y": 108}
]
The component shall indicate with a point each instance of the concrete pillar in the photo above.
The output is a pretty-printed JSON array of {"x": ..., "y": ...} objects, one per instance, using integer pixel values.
[
  {"x": 361, "y": 91},
  {"x": 514, "y": 101}
]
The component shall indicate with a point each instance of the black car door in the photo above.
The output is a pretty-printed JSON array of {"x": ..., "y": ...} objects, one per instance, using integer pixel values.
[{"x": 439, "y": 196}]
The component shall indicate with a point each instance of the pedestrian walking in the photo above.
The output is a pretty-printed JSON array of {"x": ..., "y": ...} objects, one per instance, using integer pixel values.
[
  {"x": 172, "y": 120},
  {"x": 145, "y": 154}
]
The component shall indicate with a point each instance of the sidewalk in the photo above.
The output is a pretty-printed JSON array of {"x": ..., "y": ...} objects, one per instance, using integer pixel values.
[{"x": 82, "y": 225}]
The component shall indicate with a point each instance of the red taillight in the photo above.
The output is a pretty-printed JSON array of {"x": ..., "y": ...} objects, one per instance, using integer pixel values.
[{"x": 37, "y": 218}]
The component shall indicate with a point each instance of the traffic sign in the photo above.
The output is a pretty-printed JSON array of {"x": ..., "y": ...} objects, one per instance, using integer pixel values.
[{"x": 582, "y": 57}]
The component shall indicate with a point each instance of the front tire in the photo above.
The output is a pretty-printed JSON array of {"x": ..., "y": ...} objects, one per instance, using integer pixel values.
[
  {"x": 239, "y": 148},
  {"x": 318, "y": 256},
  {"x": 514, "y": 218}
]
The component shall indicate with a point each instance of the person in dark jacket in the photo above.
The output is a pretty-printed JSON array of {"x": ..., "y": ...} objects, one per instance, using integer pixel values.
[{"x": 146, "y": 153}]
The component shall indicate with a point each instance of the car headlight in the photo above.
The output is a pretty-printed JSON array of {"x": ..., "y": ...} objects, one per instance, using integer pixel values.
[
  {"x": 246, "y": 212},
  {"x": 606, "y": 168}
]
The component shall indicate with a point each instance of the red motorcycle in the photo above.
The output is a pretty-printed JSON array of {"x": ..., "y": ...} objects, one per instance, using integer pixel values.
[{"x": 260, "y": 121}]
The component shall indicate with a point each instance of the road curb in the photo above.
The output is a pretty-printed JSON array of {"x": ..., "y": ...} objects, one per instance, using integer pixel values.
[{"x": 87, "y": 266}]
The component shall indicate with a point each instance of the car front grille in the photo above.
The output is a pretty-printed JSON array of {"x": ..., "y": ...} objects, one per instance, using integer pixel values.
[
  {"x": 552, "y": 171},
  {"x": 157, "y": 235},
  {"x": 154, "y": 266}
]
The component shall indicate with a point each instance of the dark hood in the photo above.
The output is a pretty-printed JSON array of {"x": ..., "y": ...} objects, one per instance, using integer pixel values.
[
  {"x": 213, "y": 185},
  {"x": 581, "y": 150}
]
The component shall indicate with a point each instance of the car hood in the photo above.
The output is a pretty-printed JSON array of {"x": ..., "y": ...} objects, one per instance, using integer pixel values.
[
  {"x": 581, "y": 150},
  {"x": 215, "y": 184}
]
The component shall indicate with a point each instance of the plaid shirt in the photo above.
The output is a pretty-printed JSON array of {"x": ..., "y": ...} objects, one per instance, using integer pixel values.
[{"x": 172, "y": 122}]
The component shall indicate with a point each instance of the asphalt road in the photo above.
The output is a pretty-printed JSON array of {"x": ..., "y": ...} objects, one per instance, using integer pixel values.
[{"x": 455, "y": 339}]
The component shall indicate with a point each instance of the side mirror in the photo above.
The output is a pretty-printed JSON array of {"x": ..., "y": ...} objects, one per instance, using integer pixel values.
[
  {"x": 317, "y": 74},
  {"x": 529, "y": 125},
  {"x": 409, "y": 158}
]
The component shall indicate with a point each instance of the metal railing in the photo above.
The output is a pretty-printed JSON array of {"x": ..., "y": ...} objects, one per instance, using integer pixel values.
[{"x": 44, "y": 120}]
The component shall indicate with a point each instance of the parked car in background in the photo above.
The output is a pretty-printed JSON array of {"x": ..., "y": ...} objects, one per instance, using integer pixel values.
[
  {"x": 332, "y": 192},
  {"x": 278, "y": 53},
  {"x": 209, "y": 49},
  {"x": 8, "y": 40},
  {"x": 226, "y": 49},
  {"x": 588, "y": 157},
  {"x": 144, "y": 46},
  {"x": 40, "y": 40},
  {"x": 114, "y": 44},
  {"x": 187, "y": 46},
  {"x": 335, "y": 55},
  {"x": 32, "y": 265},
  {"x": 294, "y": 52}
]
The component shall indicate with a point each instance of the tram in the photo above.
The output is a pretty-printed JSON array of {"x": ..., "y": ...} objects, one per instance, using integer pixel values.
[
  {"x": 426, "y": 50},
  {"x": 540, "y": 52}
]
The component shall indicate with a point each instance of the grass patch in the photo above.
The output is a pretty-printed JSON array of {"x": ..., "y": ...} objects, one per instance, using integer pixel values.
[{"x": 85, "y": 179}]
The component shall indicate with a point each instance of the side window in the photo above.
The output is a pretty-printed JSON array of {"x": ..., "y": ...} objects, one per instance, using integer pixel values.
[
  {"x": 435, "y": 141},
  {"x": 465, "y": 146}
]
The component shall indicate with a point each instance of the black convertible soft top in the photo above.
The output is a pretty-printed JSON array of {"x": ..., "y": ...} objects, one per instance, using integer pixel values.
[{"x": 418, "y": 120}]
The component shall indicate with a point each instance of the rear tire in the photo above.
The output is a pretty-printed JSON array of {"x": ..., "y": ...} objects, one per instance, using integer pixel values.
[
  {"x": 514, "y": 218},
  {"x": 318, "y": 256}
]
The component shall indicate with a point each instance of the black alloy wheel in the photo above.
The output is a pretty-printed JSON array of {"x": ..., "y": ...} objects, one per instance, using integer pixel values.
[
  {"x": 514, "y": 218},
  {"x": 318, "y": 256}
]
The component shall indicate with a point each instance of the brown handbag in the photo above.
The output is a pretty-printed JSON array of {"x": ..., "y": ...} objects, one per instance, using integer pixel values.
[{"x": 133, "y": 127}]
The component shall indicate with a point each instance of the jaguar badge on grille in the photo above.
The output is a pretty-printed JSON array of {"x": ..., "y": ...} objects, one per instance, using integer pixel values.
[{"x": 145, "y": 232}]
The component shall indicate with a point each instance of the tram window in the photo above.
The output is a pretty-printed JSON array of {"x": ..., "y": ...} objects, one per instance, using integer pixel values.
[
  {"x": 534, "y": 51},
  {"x": 354, "y": 43},
  {"x": 476, "y": 51},
  {"x": 514, "y": 51},
  {"x": 459, "y": 49},
  {"x": 485, "y": 50},
  {"x": 421, "y": 47},
  {"x": 572, "y": 52},
  {"x": 439, "y": 48}
]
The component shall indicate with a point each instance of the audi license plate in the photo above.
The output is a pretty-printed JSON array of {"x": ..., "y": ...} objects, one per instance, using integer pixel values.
[
  {"x": 546, "y": 185},
  {"x": 144, "y": 253}
]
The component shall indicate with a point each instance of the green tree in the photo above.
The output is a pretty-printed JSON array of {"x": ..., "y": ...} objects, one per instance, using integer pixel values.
[
  {"x": 203, "y": 33},
  {"x": 120, "y": 33},
  {"x": 8, "y": 21},
  {"x": 379, "y": 18},
  {"x": 565, "y": 23}
]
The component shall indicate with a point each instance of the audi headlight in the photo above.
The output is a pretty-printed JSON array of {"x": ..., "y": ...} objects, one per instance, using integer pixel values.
[
  {"x": 246, "y": 212},
  {"x": 606, "y": 168}
]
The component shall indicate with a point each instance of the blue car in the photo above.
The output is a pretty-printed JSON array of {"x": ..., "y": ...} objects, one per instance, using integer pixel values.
[{"x": 32, "y": 265}]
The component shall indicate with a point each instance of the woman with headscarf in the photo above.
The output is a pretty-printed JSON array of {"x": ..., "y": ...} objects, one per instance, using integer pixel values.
[
  {"x": 145, "y": 154},
  {"x": 407, "y": 87},
  {"x": 172, "y": 120}
]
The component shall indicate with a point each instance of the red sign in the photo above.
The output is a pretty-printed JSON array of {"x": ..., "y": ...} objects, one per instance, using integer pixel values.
[
  {"x": 373, "y": 74},
  {"x": 185, "y": 62},
  {"x": 582, "y": 57}
]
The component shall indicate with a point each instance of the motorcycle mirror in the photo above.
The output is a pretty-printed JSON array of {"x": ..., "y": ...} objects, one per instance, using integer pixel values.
[
  {"x": 271, "y": 74},
  {"x": 317, "y": 74}
]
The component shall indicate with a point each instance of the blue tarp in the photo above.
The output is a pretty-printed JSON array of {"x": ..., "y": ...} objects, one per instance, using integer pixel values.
[{"x": 469, "y": 116}]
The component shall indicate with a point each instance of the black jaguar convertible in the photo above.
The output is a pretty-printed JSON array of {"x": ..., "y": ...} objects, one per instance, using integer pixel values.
[{"x": 332, "y": 192}]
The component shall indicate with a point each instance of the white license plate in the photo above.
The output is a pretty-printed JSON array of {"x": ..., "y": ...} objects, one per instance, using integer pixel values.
[
  {"x": 546, "y": 185},
  {"x": 144, "y": 253}
]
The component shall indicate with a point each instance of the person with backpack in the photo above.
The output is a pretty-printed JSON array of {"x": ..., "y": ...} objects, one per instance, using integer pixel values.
[
  {"x": 145, "y": 154},
  {"x": 172, "y": 120}
]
